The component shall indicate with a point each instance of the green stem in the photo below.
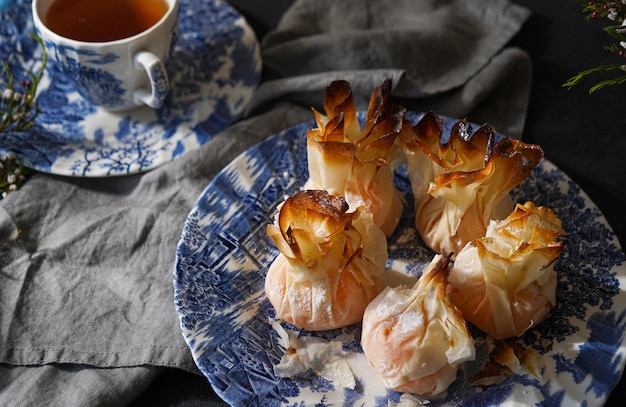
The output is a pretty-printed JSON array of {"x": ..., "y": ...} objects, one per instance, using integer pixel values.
[
  {"x": 575, "y": 80},
  {"x": 610, "y": 82}
]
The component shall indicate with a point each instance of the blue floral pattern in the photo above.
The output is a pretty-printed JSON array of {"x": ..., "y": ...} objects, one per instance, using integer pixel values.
[
  {"x": 158, "y": 76},
  {"x": 224, "y": 253},
  {"x": 214, "y": 68},
  {"x": 96, "y": 84}
]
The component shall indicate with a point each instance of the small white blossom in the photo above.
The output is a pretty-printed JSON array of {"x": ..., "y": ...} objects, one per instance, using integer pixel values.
[
  {"x": 17, "y": 97},
  {"x": 7, "y": 94},
  {"x": 11, "y": 179},
  {"x": 612, "y": 14},
  {"x": 12, "y": 187},
  {"x": 623, "y": 44}
]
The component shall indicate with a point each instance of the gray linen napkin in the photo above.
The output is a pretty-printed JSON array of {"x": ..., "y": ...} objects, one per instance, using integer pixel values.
[
  {"x": 86, "y": 295},
  {"x": 87, "y": 274},
  {"x": 446, "y": 56}
]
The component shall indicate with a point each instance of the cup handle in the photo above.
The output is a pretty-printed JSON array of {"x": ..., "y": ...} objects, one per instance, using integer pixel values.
[{"x": 158, "y": 80}]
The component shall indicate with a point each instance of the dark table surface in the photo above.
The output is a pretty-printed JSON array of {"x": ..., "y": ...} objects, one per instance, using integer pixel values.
[{"x": 584, "y": 135}]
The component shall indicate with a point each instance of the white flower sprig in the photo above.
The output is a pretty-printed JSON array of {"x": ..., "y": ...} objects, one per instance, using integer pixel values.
[
  {"x": 12, "y": 174},
  {"x": 614, "y": 11},
  {"x": 18, "y": 110}
]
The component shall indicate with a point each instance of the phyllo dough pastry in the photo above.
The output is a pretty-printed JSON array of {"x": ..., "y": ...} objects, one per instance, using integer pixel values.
[
  {"x": 505, "y": 282},
  {"x": 356, "y": 163},
  {"x": 330, "y": 265},
  {"x": 414, "y": 337},
  {"x": 461, "y": 185}
]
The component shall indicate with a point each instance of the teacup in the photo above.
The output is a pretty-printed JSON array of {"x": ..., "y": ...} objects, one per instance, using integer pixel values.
[{"x": 110, "y": 67}]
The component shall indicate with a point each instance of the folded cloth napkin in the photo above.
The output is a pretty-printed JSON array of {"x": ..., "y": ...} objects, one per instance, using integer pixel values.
[
  {"x": 86, "y": 295},
  {"x": 447, "y": 56},
  {"x": 86, "y": 275}
]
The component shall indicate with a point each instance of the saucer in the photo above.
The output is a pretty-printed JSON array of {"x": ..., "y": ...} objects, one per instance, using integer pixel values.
[{"x": 214, "y": 68}]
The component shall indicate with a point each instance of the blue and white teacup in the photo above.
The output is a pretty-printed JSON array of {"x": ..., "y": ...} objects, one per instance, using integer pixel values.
[{"x": 118, "y": 74}]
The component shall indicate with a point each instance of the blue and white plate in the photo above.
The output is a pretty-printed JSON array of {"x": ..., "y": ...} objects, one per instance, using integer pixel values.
[
  {"x": 224, "y": 253},
  {"x": 214, "y": 69}
]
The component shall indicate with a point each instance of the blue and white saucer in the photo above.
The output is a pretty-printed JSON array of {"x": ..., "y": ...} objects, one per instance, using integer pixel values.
[{"x": 214, "y": 69}]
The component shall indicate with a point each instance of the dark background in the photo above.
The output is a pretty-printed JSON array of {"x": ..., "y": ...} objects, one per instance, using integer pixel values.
[{"x": 584, "y": 135}]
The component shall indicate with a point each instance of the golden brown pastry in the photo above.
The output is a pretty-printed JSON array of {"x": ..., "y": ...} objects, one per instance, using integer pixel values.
[
  {"x": 330, "y": 265},
  {"x": 460, "y": 186},
  {"x": 414, "y": 337},
  {"x": 346, "y": 160},
  {"x": 505, "y": 282}
]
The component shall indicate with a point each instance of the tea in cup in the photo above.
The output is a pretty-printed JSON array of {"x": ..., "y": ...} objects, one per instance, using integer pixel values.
[{"x": 113, "y": 51}]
